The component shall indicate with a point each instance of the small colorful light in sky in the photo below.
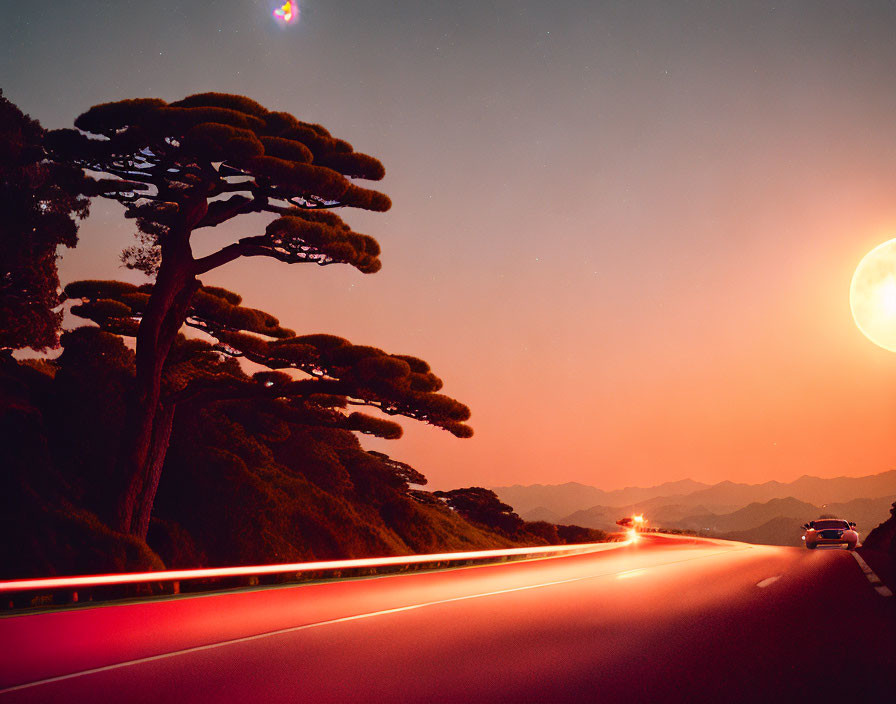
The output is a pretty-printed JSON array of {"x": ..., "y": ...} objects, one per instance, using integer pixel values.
[{"x": 288, "y": 12}]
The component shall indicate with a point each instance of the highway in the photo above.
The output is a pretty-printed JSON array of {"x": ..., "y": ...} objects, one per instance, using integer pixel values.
[{"x": 666, "y": 619}]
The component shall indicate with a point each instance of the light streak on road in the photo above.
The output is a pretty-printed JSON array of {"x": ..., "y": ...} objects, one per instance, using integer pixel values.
[
  {"x": 298, "y": 567},
  {"x": 556, "y": 629}
]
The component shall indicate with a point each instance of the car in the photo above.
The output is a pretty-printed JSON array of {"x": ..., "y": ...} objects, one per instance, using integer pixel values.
[{"x": 830, "y": 531}]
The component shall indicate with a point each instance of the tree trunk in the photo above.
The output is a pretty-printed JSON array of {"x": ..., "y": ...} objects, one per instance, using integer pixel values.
[
  {"x": 147, "y": 430},
  {"x": 161, "y": 436}
]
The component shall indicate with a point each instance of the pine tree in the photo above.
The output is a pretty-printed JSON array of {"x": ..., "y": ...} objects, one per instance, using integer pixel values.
[{"x": 195, "y": 164}]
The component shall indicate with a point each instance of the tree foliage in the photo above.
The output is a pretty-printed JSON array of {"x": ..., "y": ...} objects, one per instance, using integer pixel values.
[
  {"x": 305, "y": 493},
  {"x": 335, "y": 373},
  {"x": 407, "y": 474},
  {"x": 211, "y": 157},
  {"x": 39, "y": 202},
  {"x": 245, "y": 481},
  {"x": 46, "y": 528},
  {"x": 197, "y": 163},
  {"x": 484, "y": 507}
]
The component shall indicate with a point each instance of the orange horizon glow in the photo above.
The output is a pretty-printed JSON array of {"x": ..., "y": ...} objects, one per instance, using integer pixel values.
[{"x": 631, "y": 258}]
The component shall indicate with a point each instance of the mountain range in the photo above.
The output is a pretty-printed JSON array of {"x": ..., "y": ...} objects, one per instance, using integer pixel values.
[{"x": 769, "y": 513}]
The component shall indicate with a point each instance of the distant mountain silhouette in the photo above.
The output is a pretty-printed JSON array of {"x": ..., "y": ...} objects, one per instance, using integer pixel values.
[
  {"x": 778, "y": 531},
  {"x": 751, "y": 516},
  {"x": 604, "y": 516},
  {"x": 566, "y": 498},
  {"x": 542, "y": 514},
  {"x": 746, "y": 522},
  {"x": 813, "y": 490},
  {"x": 725, "y": 497},
  {"x": 786, "y": 528},
  {"x": 668, "y": 516},
  {"x": 773, "y": 522}
]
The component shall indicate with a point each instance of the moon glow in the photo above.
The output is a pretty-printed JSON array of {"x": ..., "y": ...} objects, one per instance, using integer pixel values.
[{"x": 872, "y": 295}]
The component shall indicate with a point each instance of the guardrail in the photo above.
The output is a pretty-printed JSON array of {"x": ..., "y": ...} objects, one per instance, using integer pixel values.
[{"x": 45, "y": 592}]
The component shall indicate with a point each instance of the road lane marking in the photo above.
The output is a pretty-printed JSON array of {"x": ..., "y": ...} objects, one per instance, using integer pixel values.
[
  {"x": 631, "y": 573},
  {"x": 770, "y": 580},
  {"x": 879, "y": 586},
  {"x": 343, "y": 619}
]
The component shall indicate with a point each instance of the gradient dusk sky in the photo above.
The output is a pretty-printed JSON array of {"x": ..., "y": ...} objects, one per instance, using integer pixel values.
[{"x": 622, "y": 232}]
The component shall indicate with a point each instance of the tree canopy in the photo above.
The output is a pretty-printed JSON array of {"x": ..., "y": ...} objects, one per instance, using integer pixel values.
[
  {"x": 271, "y": 446},
  {"x": 39, "y": 201},
  {"x": 336, "y": 373},
  {"x": 245, "y": 481},
  {"x": 482, "y": 506},
  {"x": 211, "y": 157},
  {"x": 197, "y": 163}
]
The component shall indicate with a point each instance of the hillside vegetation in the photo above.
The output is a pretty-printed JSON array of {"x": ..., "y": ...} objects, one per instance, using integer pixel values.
[{"x": 243, "y": 484}]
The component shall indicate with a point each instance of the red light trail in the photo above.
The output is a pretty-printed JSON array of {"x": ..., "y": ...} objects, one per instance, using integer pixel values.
[{"x": 257, "y": 570}]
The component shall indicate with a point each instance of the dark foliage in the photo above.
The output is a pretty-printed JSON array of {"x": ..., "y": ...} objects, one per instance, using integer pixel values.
[
  {"x": 544, "y": 530},
  {"x": 39, "y": 202},
  {"x": 244, "y": 481},
  {"x": 44, "y": 529},
  {"x": 577, "y": 535},
  {"x": 335, "y": 373},
  {"x": 245, "y": 498},
  {"x": 211, "y": 157},
  {"x": 198, "y": 163},
  {"x": 90, "y": 387},
  {"x": 484, "y": 507},
  {"x": 883, "y": 538},
  {"x": 405, "y": 472}
]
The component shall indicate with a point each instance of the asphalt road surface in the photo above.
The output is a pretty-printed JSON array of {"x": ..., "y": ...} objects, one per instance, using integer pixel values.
[{"x": 663, "y": 620}]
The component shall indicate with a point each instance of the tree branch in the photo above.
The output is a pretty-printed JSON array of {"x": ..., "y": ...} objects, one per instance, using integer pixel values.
[
  {"x": 208, "y": 392},
  {"x": 258, "y": 247},
  {"x": 223, "y": 210},
  {"x": 219, "y": 258}
]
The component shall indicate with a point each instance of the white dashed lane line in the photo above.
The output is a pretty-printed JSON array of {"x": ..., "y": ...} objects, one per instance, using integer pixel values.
[
  {"x": 344, "y": 619},
  {"x": 770, "y": 580},
  {"x": 879, "y": 586}
]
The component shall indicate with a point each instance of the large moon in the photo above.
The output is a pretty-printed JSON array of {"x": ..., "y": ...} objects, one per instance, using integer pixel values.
[{"x": 872, "y": 295}]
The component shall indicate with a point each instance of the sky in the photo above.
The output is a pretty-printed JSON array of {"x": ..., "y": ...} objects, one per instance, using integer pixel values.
[{"x": 622, "y": 232}]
